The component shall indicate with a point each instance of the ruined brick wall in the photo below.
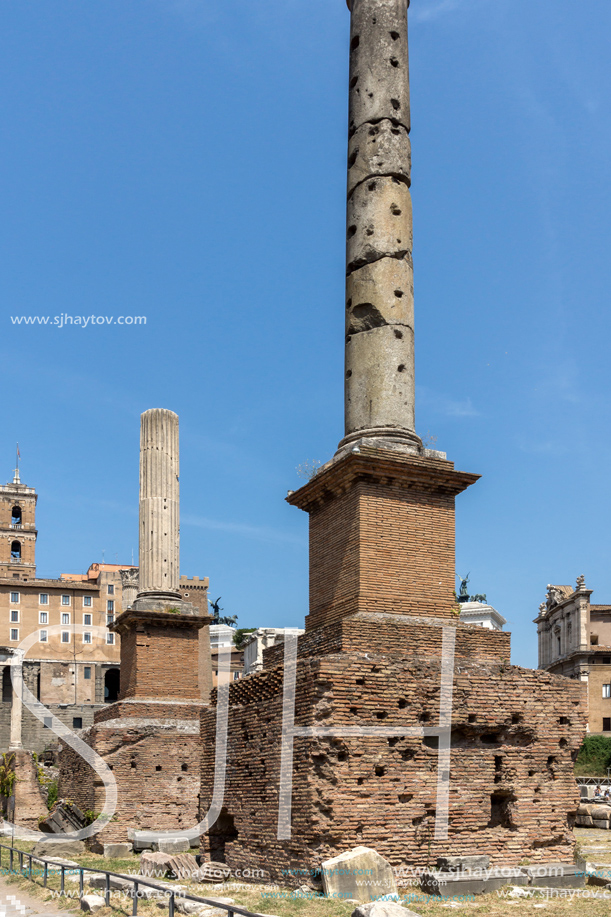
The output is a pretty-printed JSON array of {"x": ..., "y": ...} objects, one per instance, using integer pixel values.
[
  {"x": 156, "y": 763},
  {"x": 30, "y": 803},
  {"x": 76, "y": 777},
  {"x": 512, "y": 790},
  {"x": 395, "y": 634},
  {"x": 160, "y": 661}
]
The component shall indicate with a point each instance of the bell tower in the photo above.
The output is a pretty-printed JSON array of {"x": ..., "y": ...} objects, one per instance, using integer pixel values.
[{"x": 18, "y": 530}]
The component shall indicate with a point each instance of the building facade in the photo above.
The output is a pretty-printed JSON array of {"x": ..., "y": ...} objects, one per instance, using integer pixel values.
[{"x": 575, "y": 641}]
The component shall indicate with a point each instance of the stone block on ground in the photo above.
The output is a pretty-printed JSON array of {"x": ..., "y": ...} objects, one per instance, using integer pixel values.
[
  {"x": 64, "y": 818},
  {"x": 454, "y": 885},
  {"x": 154, "y": 865},
  {"x": 172, "y": 845},
  {"x": 117, "y": 883},
  {"x": 117, "y": 851},
  {"x": 183, "y": 865},
  {"x": 92, "y": 903},
  {"x": 360, "y": 873},
  {"x": 57, "y": 848},
  {"x": 601, "y": 823},
  {"x": 462, "y": 863},
  {"x": 556, "y": 875},
  {"x": 58, "y": 862},
  {"x": 383, "y": 909},
  {"x": 212, "y": 872},
  {"x": 141, "y": 840}
]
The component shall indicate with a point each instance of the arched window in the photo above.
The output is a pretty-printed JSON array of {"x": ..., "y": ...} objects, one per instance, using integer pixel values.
[
  {"x": 16, "y": 550},
  {"x": 112, "y": 685},
  {"x": 16, "y": 515}
]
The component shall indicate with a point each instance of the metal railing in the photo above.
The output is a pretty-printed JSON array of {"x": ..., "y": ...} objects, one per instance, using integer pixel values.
[{"x": 26, "y": 871}]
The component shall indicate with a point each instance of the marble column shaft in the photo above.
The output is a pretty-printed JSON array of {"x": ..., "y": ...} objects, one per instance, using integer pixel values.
[
  {"x": 379, "y": 384},
  {"x": 159, "y": 505}
]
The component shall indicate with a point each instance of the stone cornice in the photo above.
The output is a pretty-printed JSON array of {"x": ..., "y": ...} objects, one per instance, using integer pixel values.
[
  {"x": 130, "y": 618},
  {"x": 391, "y": 468}
]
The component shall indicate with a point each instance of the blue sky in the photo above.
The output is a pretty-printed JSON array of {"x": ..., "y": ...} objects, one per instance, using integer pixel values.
[{"x": 185, "y": 160}]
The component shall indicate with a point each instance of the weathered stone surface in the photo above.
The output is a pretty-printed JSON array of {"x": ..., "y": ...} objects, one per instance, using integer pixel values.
[
  {"x": 380, "y": 379},
  {"x": 212, "y": 872},
  {"x": 383, "y": 909},
  {"x": 379, "y": 219},
  {"x": 379, "y": 149},
  {"x": 58, "y": 862},
  {"x": 116, "y": 883},
  {"x": 601, "y": 823},
  {"x": 92, "y": 903},
  {"x": 463, "y": 863},
  {"x": 155, "y": 864},
  {"x": 379, "y": 73},
  {"x": 159, "y": 504},
  {"x": 117, "y": 851},
  {"x": 455, "y": 885},
  {"x": 360, "y": 873},
  {"x": 172, "y": 845},
  {"x": 183, "y": 865},
  {"x": 556, "y": 875},
  {"x": 381, "y": 293},
  {"x": 603, "y": 813},
  {"x": 64, "y": 818},
  {"x": 57, "y": 848}
]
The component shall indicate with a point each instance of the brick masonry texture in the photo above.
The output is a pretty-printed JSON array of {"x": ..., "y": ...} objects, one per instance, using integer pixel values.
[
  {"x": 381, "y": 535},
  {"x": 512, "y": 791},
  {"x": 159, "y": 659},
  {"x": 156, "y": 767}
]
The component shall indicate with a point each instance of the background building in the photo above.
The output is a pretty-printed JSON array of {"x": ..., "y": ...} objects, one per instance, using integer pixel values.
[
  {"x": 73, "y": 663},
  {"x": 575, "y": 641}
]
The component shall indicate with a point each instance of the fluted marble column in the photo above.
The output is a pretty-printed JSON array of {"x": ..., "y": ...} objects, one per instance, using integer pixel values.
[
  {"x": 379, "y": 383},
  {"x": 159, "y": 505}
]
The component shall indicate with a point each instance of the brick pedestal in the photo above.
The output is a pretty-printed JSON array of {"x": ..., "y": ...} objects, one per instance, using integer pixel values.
[{"x": 381, "y": 535}]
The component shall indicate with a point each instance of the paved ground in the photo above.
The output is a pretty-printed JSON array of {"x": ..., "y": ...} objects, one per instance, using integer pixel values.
[{"x": 34, "y": 906}]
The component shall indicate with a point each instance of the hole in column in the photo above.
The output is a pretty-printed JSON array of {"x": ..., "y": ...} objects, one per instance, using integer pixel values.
[
  {"x": 349, "y": 304},
  {"x": 353, "y": 82},
  {"x": 379, "y": 770},
  {"x": 398, "y": 293},
  {"x": 401, "y": 368},
  {"x": 398, "y": 334},
  {"x": 351, "y": 231},
  {"x": 348, "y": 374},
  {"x": 396, "y": 211},
  {"x": 394, "y": 62},
  {"x": 394, "y": 36},
  {"x": 374, "y": 131},
  {"x": 352, "y": 159},
  {"x": 369, "y": 232},
  {"x": 395, "y": 131},
  {"x": 354, "y": 44},
  {"x": 395, "y": 104}
]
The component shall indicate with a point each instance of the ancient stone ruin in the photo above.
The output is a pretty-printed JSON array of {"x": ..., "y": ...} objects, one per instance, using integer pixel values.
[{"x": 389, "y": 723}]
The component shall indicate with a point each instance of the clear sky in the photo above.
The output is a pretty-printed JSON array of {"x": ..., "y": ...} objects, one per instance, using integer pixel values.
[{"x": 184, "y": 160}]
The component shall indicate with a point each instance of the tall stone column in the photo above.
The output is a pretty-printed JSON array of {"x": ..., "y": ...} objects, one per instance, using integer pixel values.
[
  {"x": 159, "y": 506},
  {"x": 379, "y": 378}
]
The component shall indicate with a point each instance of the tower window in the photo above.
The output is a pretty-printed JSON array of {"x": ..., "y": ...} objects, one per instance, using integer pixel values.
[
  {"x": 110, "y": 605},
  {"x": 14, "y": 616},
  {"x": 110, "y": 639},
  {"x": 43, "y": 598},
  {"x": 14, "y": 634},
  {"x": 87, "y": 637},
  {"x": 111, "y": 589},
  {"x": 65, "y": 599},
  {"x": 77, "y": 722},
  {"x": 65, "y": 636},
  {"x": 16, "y": 515},
  {"x": 43, "y": 617},
  {"x": 66, "y": 617},
  {"x": 110, "y": 619},
  {"x": 606, "y": 691},
  {"x": 87, "y": 620},
  {"x": 15, "y": 550},
  {"x": 43, "y": 636},
  {"x": 15, "y": 598},
  {"x": 87, "y": 673},
  {"x": 86, "y": 601}
]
